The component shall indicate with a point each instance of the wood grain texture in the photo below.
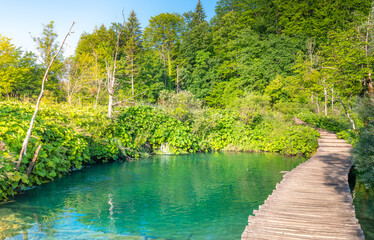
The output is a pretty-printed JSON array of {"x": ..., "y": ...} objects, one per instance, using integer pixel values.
[{"x": 313, "y": 201}]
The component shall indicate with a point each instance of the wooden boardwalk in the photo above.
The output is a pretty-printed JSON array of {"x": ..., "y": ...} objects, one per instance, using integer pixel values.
[{"x": 313, "y": 201}]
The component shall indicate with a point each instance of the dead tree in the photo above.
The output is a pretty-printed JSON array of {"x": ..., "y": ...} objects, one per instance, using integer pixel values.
[
  {"x": 27, "y": 138},
  {"x": 178, "y": 78},
  {"x": 74, "y": 81},
  {"x": 111, "y": 75}
]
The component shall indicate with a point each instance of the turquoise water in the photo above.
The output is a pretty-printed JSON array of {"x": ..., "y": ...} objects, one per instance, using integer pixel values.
[
  {"x": 201, "y": 196},
  {"x": 364, "y": 205}
]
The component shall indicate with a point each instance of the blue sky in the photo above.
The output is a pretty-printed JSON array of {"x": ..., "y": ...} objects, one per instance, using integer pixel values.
[{"x": 21, "y": 19}]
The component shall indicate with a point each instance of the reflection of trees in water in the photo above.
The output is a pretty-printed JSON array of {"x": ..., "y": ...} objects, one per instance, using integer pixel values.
[
  {"x": 364, "y": 205},
  {"x": 11, "y": 223},
  {"x": 109, "y": 198},
  {"x": 15, "y": 220}
]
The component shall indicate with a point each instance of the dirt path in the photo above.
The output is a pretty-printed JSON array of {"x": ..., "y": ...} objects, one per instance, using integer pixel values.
[{"x": 313, "y": 201}]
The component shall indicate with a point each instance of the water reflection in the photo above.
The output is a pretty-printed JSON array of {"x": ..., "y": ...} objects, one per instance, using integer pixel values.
[
  {"x": 202, "y": 196},
  {"x": 364, "y": 205}
]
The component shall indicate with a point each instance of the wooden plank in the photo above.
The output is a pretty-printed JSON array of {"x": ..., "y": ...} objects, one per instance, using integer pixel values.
[{"x": 313, "y": 201}]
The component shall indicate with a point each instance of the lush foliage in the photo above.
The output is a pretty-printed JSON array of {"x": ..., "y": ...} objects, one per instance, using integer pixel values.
[
  {"x": 62, "y": 148},
  {"x": 74, "y": 137},
  {"x": 363, "y": 154},
  {"x": 337, "y": 124}
]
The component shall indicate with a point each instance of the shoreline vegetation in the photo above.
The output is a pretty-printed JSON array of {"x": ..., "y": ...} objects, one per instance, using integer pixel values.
[{"x": 72, "y": 137}]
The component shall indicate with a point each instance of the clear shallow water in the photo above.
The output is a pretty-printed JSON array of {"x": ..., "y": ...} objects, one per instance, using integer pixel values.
[
  {"x": 201, "y": 196},
  {"x": 364, "y": 205}
]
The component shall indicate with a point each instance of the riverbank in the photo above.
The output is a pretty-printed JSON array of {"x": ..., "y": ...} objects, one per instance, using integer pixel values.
[{"x": 72, "y": 137}]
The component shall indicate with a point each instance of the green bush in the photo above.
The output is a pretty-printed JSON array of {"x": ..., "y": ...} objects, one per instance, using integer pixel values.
[
  {"x": 62, "y": 148},
  {"x": 330, "y": 123},
  {"x": 363, "y": 154},
  {"x": 337, "y": 124},
  {"x": 227, "y": 130},
  {"x": 179, "y": 105},
  {"x": 72, "y": 137}
]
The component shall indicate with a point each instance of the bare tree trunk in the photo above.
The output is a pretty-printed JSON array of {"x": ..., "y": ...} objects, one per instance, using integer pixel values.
[
  {"x": 346, "y": 111},
  {"x": 32, "y": 164},
  {"x": 332, "y": 99},
  {"x": 325, "y": 92},
  {"x": 110, "y": 106},
  {"x": 164, "y": 61},
  {"x": 169, "y": 65},
  {"x": 97, "y": 80},
  {"x": 177, "y": 78},
  {"x": 69, "y": 99},
  {"x": 370, "y": 84},
  {"x": 97, "y": 95},
  {"x": 27, "y": 138},
  {"x": 110, "y": 88},
  {"x": 317, "y": 103},
  {"x": 111, "y": 74},
  {"x": 132, "y": 77},
  {"x": 349, "y": 116},
  {"x": 325, "y": 101}
]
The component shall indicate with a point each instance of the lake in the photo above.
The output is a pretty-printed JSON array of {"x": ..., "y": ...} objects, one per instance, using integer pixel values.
[{"x": 197, "y": 196}]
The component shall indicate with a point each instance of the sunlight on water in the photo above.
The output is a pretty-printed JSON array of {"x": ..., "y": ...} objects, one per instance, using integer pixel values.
[{"x": 201, "y": 196}]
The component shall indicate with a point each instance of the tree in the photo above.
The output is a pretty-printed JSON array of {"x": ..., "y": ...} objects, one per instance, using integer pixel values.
[
  {"x": 18, "y": 71},
  {"x": 9, "y": 61},
  {"x": 225, "y": 6},
  {"x": 133, "y": 34},
  {"x": 151, "y": 75},
  {"x": 96, "y": 48},
  {"x": 367, "y": 37},
  {"x": 163, "y": 35},
  {"x": 317, "y": 18},
  {"x": 196, "y": 53},
  {"x": 29, "y": 131},
  {"x": 76, "y": 75},
  {"x": 341, "y": 62},
  {"x": 47, "y": 46},
  {"x": 202, "y": 74},
  {"x": 111, "y": 68},
  {"x": 198, "y": 16}
]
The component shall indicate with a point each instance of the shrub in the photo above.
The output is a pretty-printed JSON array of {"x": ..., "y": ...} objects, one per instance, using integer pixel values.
[{"x": 363, "y": 154}]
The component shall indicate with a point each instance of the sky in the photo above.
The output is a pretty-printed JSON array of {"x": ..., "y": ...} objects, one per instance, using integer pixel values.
[{"x": 21, "y": 20}]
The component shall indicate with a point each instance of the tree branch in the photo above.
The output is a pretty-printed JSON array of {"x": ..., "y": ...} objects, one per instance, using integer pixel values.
[{"x": 126, "y": 100}]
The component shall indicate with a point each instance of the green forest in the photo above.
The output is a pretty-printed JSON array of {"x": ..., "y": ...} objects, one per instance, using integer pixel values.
[{"x": 184, "y": 84}]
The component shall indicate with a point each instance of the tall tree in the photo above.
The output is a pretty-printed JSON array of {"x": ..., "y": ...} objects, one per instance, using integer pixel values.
[
  {"x": 111, "y": 70},
  {"x": 317, "y": 18},
  {"x": 199, "y": 15},
  {"x": 196, "y": 52},
  {"x": 29, "y": 131},
  {"x": 151, "y": 75},
  {"x": 163, "y": 34},
  {"x": 367, "y": 37},
  {"x": 133, "y": 45},
  {"x": 18, "y": 71},
  {"x": 96, "y": 48},
  {"x": 76, "y": 77}
]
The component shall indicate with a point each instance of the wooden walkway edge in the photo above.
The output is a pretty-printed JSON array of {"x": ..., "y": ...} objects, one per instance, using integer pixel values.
[{"x": 313, "y": 201}]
